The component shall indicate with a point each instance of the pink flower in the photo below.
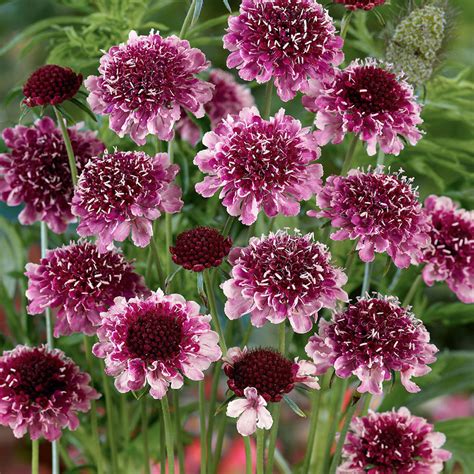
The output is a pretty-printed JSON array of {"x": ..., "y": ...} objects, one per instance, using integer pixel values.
[
  {"x": 371, "y": 339},
  {"x": 229, "y": 97},
  {"x": 365, "y": 98},
  {"x": 259, "y": 164},
  {"x": 41, "y": 391},
  {"x": 36, "y": 171},
  {"x": 123, "y": 192},
  {"x": 393, "y": 441},
  {"x": 144, "y": 83},
  {"x": 155, "y": 340},
  {"x": 381, "y": 210},
  {"x": 282, "y": 276},
  {"x": 449, "y": 255},
  {"x": 360, "y": 4},
  {"x": 81, "y": 282},
  {"x": 288, "y": 41}
]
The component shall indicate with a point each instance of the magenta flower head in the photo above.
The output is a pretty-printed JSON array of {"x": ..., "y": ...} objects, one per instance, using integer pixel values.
[
  {"x": 41, "y": 391},
  {"x": 259, "y": 164},
  {"x": 144, "y": 83},
  {"x": 156, "y": 340},
  {"x": 80, "y": 282},
  {"x": 258, "y": 376},
  {"x": 360, "y": 4},
  {"x": 282, "y": 276},
  {"x": 367, "y": 99},
  {"x": 289, "y": 41},
  {"x": 51, "y": 85},
  {"x": 36, "y": 171},
  {"x": 381, "y": 210},
  {"x": 371, "y": 339},
  {"x": 449, "y": 255},
  {"x": 123, "y": 192},
  {"x": 200, "y": 248},
  {"x": 393, "y": 441}
]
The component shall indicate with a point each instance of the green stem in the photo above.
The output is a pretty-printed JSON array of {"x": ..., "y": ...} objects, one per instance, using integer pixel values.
[
  {"x": 168, "y": 217},
  {"x": 346, "y": 21},
  {"x": 146, "y": 450},
  {"x": 410, "y": 295},
  {"x": 124, "y": 418},
  {"x": 67, "y": 143},
  {"x": 316, "y": 403},
  {"x": 202, "y": 427},
  {"x": 228, "y": 226},
  {"x": 168, "y": 434},
  {"x": 267, "y": 104},
  {"x": 366, "y": 405},
  {"x": 248, "y": 455},
  {"x": 34, "y": 456},
  {"x": 213, "y": 308},
  {"x": 349, "y": 155},
  {"x": 219, "y": 442},
  {"x": 260, "y": 451},
  {"x": 366, "y": 282},
  {"x": 156, "y": 256},
  {"x": 212, "y": 409},
  {"x": 110, "y": 420},
  {"x": 162, "y": 447},
  {"x": 177, "y": 425},
  {"x": 187, "y": 20}
]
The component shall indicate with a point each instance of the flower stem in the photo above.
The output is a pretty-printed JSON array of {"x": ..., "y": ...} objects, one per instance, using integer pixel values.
[
  {"x": 110, "y": 420},
  {"x": 316, "y": 403},
  {"x": 346, "y": 21},
  {"x": 267, "y": 105},
  {"x": 146, "y": 450},
  {"x": 212, "y": 409},
  {"x": 187, "y": 20},
  {"x": 248, "y": 455},
  {"x": 67, "y": 143},
  {"x": 219, "y": 443},
  {"x": 168, "y": 433},
  {"x": 202, "y": 425},
  {"x": 177, "y": 425},
  {"x": 213, "y": 309},
  {"x": 366, "y": 405},
  {"x": 156, "y": 256},
  {"x": 168, "y": 217},
  {"x": 228, "y": 226},
  {"x": 34, "y": 456},
  {"x": 366, "y": 282},
  {"x": 260, "y": 450},
  {"x": 124, "y": 418},
  {"x": 411, "y": 293},
  {"x": 349, "y": 155}
]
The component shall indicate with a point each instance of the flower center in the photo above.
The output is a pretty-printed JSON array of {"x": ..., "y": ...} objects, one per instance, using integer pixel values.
[{"x": 155, "y": 336}]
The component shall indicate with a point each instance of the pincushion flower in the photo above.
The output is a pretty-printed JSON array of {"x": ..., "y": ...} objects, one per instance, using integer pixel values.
[
  {"x": 259, "y": 164},
  {"x": 369, "y": 100},
  {"x": 35, "y": 172},
  {"x": 360, "y": 4},
  {"x": 80, "y": 282},
  {"x": 449, "y": 255},
  {"x": 258, "y": 376},
  {"x": 393, "y": 441},
  {"x": 282, "y": 276},
  {"x": 381, "y": 210},
  {"x": 371, "y": 339},
  {"x": 41, "y": 391},
  {"x": 287, "y": 41},
  {"x": 123, "y": 192},
  {"x": 144, "y": 83},
  {"x": 156, "y": 341}
]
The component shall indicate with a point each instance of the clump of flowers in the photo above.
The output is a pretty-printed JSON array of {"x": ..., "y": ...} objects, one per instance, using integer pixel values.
[
  {"x": 80, "y": 282},
  {"x": 35, "y": 172},
  {"x": 123, "y": 192},
  {"x": 369, "y": 100},
  {"x": 370, "y": 339},
  {"x": 144, "y": 84},
  {"x": 259, "y": 164},
  {"x": 156, "y": 341},
  {"x": 259, "y": 376},
  {"x": 449, "y": 255},
  {"x": 381, "y": 210},
  {"x": 416, "y": 42},
  {"x": 51, "y": 85},
  {"x": 360, "y": 4},
  {"x": 287, "y": 41},
  {"x": 393, "y": 441},
  {"x": 282, "y": 276},
  {"x": 200, "y": 248},
  {"x": 41, "y": 391}
]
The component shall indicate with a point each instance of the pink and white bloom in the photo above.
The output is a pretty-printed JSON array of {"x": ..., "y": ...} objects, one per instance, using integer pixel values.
[
  {"x": 145, "y": 83},
  {"x": 393, "y": 441},
  {"x": 367, "y": 99},
  {"x": 259, "y": 164},
  {"x": 41, "y": 392},
  {"x": 381, "y": 210},
  {"x": 122, "y": 193},
  {"x": 282, "y": 276},
  {"x": 158, "y": 341},
  {"x": 370, "y": 339},
  {"x": 360, "y": 4},
  {"x": 449, "y": 255},
  {"x": 287, "y": 41}
]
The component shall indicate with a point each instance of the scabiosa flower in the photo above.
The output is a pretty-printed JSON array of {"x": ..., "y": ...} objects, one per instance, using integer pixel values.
[
  {"x": 81, "y": 282},
  {"x": 144, "y": 83},
  {"x": 393, "y": 441},
  {"x": 259, "y": 376},
  {"x": 51, "y": 85},
  {"x": 259, "y": 164},
  {"x": 36, "y": 171},
  {"x": 370, "y": 339},
  {"x": 381, "y": 210},
  {"x": 282, "y": 276},
  {"x": 41, "y": 391},
  {"x": 200, "y": 248},
  {"x": 123, "y": 192},
  {"x": 156, "y": 340},
  {"x": 449, "y": 255},
  {"x": 288, "y": 41},
  {"x": 368, "y": 99},
  {"x": 360, "y": 4}
]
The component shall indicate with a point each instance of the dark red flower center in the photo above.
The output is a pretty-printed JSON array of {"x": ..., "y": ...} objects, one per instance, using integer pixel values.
[
  {"x": 264, "y": 369},
  {"x": 360, "y": 4}
]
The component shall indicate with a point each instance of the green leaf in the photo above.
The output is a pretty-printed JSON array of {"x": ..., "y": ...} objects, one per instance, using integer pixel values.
[
  {"x": 226, "y": 3},
  {"x": 84, "y": 108},
  {"x": 454, "y": 314},
  {"x": 294, "y": 406}
]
